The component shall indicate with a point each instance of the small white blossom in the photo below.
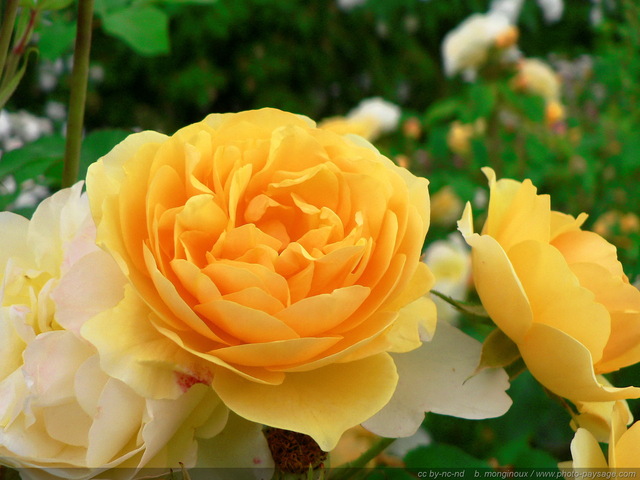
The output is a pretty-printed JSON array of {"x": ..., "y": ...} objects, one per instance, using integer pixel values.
[{"x": 466, "y": 48}]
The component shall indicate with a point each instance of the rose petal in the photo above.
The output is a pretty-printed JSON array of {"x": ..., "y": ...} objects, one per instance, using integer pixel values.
[
  {"x": 439, "y": 377},
  {"x": 133, "y": 351},
  {"x": 508, "y": 305},
  {"x": 544, "y": 348},
  {"x": 239, "y": 451},
  {"x": 586, "y": 452},
  {"x": 322, "y": 403},
  {"x": 79, "y": 295}
]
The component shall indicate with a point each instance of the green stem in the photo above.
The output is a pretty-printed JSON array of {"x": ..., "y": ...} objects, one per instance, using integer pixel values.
[
  {"x": 352, "y": 468},
  {"x": 79, "y": 77},
  {"x": 477, "y": 310},
  {"x": 6, "y": 30}
]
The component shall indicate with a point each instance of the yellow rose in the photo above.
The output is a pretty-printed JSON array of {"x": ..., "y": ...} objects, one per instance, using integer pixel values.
[
  {"x": 557, "y": 291},
  {"x": 624, "y": 445},
  {"x": 278, "y": 261}
]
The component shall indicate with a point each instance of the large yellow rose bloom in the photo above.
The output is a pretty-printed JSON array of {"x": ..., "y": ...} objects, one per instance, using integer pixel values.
[
  {"x": 557, "y": 291},
  {"x": 278, "y": 261}
]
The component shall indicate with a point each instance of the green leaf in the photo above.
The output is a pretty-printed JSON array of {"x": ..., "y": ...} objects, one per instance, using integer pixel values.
[
  {"x": 185, "y": 2},
  {"x": 7, "y": 473},
  {"x": 97, "y": 144},
  {"x": 33, "y": 159},
  {"x": 482, "y": 100},
  {"x": 102, "y": 7},
  {"x": 54, "y": 4},
  {"x": 56, "y": 38},
  {"x": 498, "y": 350},
  {"x": 520, "y": 454},
  {"x": 443, "y": 110},
  {"x": 143, "y": 28},
  {"x": 441, "y": 455},
  {"x": 11, "y": 86}
]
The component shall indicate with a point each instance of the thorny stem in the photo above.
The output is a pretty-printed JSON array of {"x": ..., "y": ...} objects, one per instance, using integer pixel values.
[{"x": 79, "y": 77}]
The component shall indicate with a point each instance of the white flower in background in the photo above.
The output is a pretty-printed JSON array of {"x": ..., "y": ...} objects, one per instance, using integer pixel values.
[
  {"x": 551, "y": 10},
  {"x": 61, "y": 415},
  {"x": 384, "y": 114},
  {"x": 349, "y": 4},
  {"x": 31, "y": 193},
  {"x": 450, "y": 262},
  {"x": 370, "y": 119},
  {"x": 466, "y": 48},
  {"x": 509, "y": 8}
]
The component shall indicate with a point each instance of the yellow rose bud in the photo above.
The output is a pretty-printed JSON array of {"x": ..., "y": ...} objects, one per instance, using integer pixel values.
[
  {"x": 554, "y": 112},
  {"x": 557, "y": 291},
  {"x": 507, "y": 38},
  {"x": 459, "y": 137},
  {"x": 624, "y": 445},
  {"x": 536, "y": 77},
  {"x": 267, "y": 257},
  {"x": 446, "y": 206}
]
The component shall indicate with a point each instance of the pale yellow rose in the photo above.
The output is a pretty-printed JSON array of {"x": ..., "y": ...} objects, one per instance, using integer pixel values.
[
  {"x": 61, "y": 414},
  {"x": 624, "y": 445},
  {"x": 537, "y": 77},
  {"x": 278, "y": 261},
  {"x": 557, "y": 291}
]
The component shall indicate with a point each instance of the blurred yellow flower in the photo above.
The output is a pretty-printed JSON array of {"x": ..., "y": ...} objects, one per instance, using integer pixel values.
[
  {"x": 536, "y": 77},
  {"x": 554, "y": 112},
  {"x": 557, "y": 291},
  {"x": 446, "y": 206},
  {"x": 460, "y": 134},
  {"x": 266, "y": 257}
]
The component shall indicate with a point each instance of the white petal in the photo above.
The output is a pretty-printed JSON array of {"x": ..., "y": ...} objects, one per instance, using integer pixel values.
[
  {"x": 239, "y": 451},
  {"x": 92, "y": 285},
  {"x": 118, "y": 418},
  {"x": 50, "y": 364},
  {"x": 169, "y": 435},
  {"x": 437, "y": 377}
]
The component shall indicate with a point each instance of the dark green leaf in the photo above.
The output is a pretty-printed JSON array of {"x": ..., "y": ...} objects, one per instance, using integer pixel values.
[
  {"x": 56, "y": 39},
  {"x": 144, "y": 28},
  {"x": 11, "y": 86},
  {"x": 441, "y": 455},
  {"x": 34, "y": 158}
]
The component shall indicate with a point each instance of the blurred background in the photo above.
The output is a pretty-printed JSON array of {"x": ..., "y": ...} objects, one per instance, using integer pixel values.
[{"x": 548, "y": 94}]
